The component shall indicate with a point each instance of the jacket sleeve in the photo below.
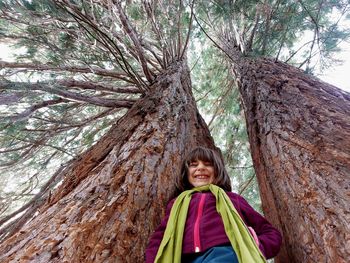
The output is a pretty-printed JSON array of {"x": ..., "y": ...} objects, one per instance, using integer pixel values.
[
  {"x": 269, "y": 237},
  {"x": 157, "y": 236}
]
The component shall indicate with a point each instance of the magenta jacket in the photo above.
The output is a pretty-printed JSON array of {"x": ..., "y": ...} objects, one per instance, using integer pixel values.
[{"x": 204, "y": 227}]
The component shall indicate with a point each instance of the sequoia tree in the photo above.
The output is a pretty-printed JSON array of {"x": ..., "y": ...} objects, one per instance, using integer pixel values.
[{"x": 299, "y": 131}]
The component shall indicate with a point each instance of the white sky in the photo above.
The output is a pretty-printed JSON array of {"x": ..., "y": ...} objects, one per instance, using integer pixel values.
[
  {"x": 5, "y": 52},
  {"x": 338, "y": 75}
]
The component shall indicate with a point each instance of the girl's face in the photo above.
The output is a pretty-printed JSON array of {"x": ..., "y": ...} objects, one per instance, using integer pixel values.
[{"x": 200, "y": 173}]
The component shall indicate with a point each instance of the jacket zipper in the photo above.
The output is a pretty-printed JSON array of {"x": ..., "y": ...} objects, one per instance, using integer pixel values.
[{"x": 197, "y": 242}]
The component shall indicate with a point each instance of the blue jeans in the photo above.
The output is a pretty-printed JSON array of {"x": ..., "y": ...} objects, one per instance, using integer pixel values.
[{"x": 219, "y": 254}]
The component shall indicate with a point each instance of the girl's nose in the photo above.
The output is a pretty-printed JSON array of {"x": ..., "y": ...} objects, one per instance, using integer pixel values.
[{"x": 201, "y": 165}]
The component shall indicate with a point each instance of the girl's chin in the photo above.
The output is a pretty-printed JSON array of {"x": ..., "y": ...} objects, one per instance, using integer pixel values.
[{"x": 198, "y": 184}]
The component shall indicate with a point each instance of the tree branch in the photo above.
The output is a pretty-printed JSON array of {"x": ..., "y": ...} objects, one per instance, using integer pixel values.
[
  {"x": 128, "y": 28},
  {"x": 39, "y": 199},
  {"x": 96, "y": 86},
  {"x": 247, "y": 183},
  {"x": 252, "y": 34},
  {"x": 103, "y": 38},
  {"x": 29, "y": 111},
  {"x": 158, "y": 33},
  {"x": 125, "y": 103},
  {"x": 74, "y": 69},
  {"x": 211, "y": 39},
  {"x": 188, "y": 32}
]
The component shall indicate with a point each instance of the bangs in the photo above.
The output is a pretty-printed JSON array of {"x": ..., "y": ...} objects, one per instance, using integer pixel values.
[{"x": 201, "y": 154}]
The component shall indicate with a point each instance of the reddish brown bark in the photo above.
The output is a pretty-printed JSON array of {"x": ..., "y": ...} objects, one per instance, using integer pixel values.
[
  {"x": 299, "y": 132},
  {"x": 114, "y": 195}
]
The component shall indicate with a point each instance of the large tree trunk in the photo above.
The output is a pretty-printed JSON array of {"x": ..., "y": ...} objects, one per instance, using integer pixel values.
[
  {"x": 114, "y": 195},
  {"x": 299, "y": 133}
]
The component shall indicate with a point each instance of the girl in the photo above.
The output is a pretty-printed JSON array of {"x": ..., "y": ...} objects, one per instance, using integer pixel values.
[{"x": 209, "y": 223}]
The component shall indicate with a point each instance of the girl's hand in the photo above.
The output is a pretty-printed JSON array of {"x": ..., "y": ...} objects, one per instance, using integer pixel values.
[{"x": 252, "y": 232}]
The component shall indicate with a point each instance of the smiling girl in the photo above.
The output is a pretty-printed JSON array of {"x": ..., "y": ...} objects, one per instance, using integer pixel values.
[{"x": 206, "y": 222}]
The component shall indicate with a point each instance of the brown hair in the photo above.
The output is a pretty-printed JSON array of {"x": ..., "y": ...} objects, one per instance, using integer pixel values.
[{"x": 221, "y": 179}]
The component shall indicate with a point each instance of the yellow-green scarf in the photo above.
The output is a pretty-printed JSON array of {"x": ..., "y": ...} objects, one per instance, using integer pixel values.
[{"x": 170, "y": 248}]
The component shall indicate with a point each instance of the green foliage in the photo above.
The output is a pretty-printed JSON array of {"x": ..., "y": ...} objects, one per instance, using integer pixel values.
[
  {"x": 218, "y": 101},
  {"x": 303, "y": 33}
]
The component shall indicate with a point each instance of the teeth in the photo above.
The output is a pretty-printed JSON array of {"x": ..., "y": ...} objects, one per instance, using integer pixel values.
[{"x": 201, "y": 177}]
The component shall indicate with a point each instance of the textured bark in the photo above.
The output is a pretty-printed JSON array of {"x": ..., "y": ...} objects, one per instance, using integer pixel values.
[
  {"x": 299, "y": 132},
  {"x": 114, "y": 195}
]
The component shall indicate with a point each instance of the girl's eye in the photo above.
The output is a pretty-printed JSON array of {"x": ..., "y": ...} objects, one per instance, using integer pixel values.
[{"x": 193, "y": 164}]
